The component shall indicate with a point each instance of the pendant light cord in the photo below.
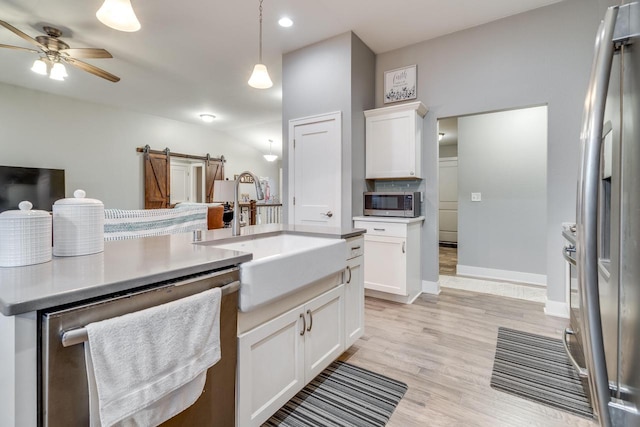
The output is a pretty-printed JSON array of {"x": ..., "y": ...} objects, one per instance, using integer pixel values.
[{"x": 260, "y": 8}]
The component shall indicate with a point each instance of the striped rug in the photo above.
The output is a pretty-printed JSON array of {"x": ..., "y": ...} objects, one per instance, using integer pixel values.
[
  {"x": 342, "y": 395},
  {"x": 537, "y": 368}
]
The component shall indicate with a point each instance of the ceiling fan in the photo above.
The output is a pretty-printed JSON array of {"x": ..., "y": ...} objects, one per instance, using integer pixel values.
[{"x": 57, "y": 51}]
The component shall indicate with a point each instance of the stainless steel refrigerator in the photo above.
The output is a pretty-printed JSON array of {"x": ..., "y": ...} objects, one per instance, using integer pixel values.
[{"x": 608, "y": 221}]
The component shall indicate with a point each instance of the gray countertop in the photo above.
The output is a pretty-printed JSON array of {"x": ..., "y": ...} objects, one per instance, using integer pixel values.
[{"x": 130, "y": 264}]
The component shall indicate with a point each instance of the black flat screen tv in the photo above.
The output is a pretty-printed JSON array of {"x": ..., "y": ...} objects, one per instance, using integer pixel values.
[{"x": 42, "y": 187}]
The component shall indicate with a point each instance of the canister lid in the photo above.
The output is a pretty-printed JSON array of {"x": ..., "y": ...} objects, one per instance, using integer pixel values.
[
  {"x": 24, "y": 212},
  {"x": 77, "y": 199}
]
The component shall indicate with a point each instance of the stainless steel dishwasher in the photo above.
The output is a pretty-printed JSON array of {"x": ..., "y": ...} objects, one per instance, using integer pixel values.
[{"x": 62, "y": 389}]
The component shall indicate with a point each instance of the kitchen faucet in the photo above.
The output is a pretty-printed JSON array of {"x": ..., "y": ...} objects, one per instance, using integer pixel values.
[{"x": 235, "y": 228}]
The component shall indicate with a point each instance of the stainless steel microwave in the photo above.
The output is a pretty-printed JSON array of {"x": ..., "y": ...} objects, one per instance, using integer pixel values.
[{"x": 392, "y": 204}]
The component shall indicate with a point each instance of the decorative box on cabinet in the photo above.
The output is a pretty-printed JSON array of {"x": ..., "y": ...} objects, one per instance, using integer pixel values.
[
  {"x": 392, "y": 248},
  {"x": 354, "y": 291},
  {"x": 279, "y": 357},
  {"x": 394, "y": 141}
]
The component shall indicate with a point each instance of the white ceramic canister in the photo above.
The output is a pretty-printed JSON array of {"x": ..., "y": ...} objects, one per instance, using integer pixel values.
[
  {"x": 25, "y": 236},
  {"x": 78, "y": 226}
]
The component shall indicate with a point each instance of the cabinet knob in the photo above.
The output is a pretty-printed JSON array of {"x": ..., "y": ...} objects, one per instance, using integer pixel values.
[
  {"x": 329, "y": 214},
  {"x": 411, "y": 173},
  {"x": 403, "y": 247},
  {"x": 349, "y": 270}
]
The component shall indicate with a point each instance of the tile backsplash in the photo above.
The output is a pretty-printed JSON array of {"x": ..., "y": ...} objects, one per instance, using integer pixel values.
[{"x": 395, "y": 185}]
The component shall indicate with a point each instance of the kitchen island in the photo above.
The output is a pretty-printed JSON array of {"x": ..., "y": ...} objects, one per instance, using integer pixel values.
[{"x": 124, "y": 266}]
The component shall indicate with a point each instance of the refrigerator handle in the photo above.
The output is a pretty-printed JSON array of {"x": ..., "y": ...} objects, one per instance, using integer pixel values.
[
  {"x": 582, "y": 372},
  {"x": 587, "y": 215}
]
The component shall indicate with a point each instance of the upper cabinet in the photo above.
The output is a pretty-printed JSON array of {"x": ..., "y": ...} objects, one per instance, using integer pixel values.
[{"x": 394, "y": 141}]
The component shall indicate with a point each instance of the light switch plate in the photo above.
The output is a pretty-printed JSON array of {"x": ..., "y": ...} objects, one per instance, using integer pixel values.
[{"x": 476, "y": 197}]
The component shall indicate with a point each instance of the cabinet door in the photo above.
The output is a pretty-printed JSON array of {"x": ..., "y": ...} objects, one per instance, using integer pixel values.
[
  {"x": 353, "y": 301},
  {"x": 270, "y": 367},
  {"x": 324, "y": 335},
  {"x": 391, "y": 149},
  {"x": 385, "y": 264}
]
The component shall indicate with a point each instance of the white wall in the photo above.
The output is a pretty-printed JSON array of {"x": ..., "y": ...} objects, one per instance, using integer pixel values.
[
  {"x": 503, "y": 156},
  {"x": 541, "y": 57},
  {"x": 96, "y": 144}
]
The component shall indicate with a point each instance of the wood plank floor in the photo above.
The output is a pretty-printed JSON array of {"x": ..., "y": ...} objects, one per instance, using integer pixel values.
[
  {"x": 443, "y": 348},
  {"x": 448, "y": 260}
]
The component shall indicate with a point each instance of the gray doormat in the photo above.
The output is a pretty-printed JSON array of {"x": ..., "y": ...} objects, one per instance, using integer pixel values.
[
  {"x": 342, "y": 395},
  {"x": 537, "y": 368}
]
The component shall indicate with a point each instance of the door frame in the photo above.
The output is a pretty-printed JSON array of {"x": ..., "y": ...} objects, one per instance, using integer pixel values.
[{"x": 337, "y": 117}]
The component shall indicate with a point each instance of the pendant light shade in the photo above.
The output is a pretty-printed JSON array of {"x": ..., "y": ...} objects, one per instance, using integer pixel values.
[
  {"x": 260, "y": 77},
  {"x": 58, "y": 72},
  {"x": 119, "y": 15},
  {"x": 40, "y": 67},
  {"x": 269, "y": 157}
]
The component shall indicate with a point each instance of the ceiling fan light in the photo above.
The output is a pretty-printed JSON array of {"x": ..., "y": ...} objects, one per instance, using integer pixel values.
[
  {"x": 58, "y": 72},
  {"x": 40, "y": 67},
  {"x": 119, "y": 15},
  {"x": 260, "y": 77}
]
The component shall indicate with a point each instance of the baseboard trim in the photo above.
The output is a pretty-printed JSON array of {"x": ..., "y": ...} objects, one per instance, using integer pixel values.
[
  {"x": 511, "y": 276},
  {"x": 392, "y": 297},
  {"x": 432, "y": 288},
  {"x": 556, "y": 309}
]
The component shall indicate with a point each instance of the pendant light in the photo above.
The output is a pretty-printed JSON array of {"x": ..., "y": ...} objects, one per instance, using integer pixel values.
[
  {"x": 270, "y": 157},
  {"x": 260, "y": 77},
  {"x": 119, "y": 15}
]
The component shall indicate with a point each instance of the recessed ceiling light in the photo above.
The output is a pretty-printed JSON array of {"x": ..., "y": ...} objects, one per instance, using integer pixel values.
[
  {"x": 285, "y": 22},
  {"x": 207, "y": 118}
]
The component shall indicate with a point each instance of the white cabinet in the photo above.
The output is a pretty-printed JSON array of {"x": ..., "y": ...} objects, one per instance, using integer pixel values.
[
  {"x": 392, "y": 257},
  {"x": 354, "y": 291},
  {"x": 278, "y": 358},
  {"x": 394, "y": 141}
]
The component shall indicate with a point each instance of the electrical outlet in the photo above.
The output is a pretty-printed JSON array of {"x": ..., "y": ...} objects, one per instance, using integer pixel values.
[{"x": 476, "y": 197}]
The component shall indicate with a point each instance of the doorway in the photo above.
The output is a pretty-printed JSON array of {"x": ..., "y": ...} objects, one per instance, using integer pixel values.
[
  {"x": 187, "y": 181},
  {"x": 497, "y": 161},
  {"x": 448, "y": 195}
]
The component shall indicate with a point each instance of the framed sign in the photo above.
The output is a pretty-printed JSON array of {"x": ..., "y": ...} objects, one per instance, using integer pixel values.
[
  {"x": 400, "y": 84},
  {"x": 246, "y": 179}
]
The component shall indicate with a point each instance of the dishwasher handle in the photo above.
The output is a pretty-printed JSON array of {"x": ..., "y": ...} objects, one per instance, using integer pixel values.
[{"x": 79, "y": 335}]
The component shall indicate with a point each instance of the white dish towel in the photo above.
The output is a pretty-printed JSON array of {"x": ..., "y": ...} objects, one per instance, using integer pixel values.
[{"x": 147, "y": 366}]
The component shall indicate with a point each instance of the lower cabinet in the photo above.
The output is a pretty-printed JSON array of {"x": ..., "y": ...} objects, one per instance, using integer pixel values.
[
  {"x": 354, "y": 292},
  {"x": 392, "y": 251},
  {"x": 386, "y": 264},
  {"x": 278, "y": 358}
]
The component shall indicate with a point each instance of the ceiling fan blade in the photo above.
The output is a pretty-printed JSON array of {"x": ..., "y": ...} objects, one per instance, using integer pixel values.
[
  {"x": 23, "y": 35},
  {"x": 86, "y": 53},
  {"x": 91, "y": 69},
  {"x": 8, "y": 46}
]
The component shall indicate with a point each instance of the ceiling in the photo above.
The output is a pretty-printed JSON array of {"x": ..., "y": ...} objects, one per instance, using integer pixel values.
[{"x": 196, "y": 56}]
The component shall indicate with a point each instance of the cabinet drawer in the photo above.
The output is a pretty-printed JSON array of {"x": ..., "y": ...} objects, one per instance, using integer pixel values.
[
  {"x": 375, "y": 228},
  {"x": 355, "y": 247}
]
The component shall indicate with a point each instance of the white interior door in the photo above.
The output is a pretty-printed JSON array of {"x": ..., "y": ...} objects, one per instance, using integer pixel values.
[
  {"x": 180, "y": 184},
  {"x": 315, "y": 146},
  {"x": 448, "y": 208}
]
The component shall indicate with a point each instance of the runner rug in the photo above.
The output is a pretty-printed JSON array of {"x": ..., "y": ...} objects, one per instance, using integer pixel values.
[
  {"x": 342, "y": 395},
  {"x": 537, "y": 368}
]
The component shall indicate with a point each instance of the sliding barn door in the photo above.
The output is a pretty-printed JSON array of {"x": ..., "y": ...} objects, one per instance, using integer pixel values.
[
  {"x": 156, "y": 180},
  {"x": 214, "y": 171}
]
